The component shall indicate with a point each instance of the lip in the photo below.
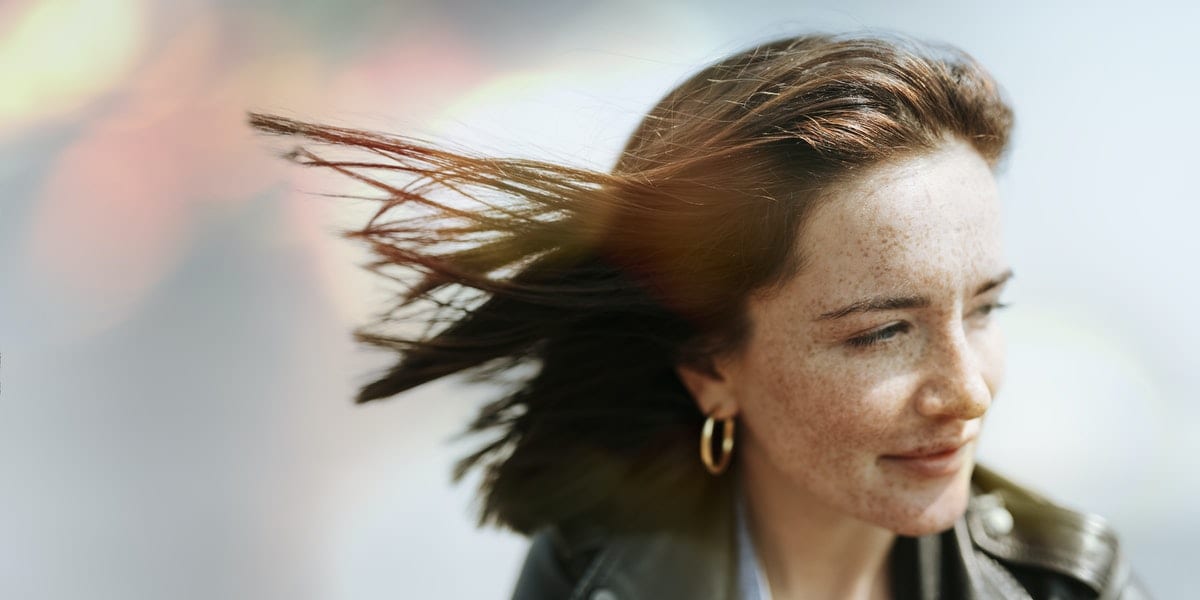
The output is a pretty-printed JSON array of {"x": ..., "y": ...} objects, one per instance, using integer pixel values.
[{"x": 939, "y": 460}]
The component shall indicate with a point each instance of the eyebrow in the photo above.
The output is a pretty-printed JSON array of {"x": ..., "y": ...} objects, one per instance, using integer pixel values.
[{"x": 899, "y": 302}]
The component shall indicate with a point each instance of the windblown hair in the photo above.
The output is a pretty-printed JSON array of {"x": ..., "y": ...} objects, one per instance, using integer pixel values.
[{"x": 594, "y": 286}]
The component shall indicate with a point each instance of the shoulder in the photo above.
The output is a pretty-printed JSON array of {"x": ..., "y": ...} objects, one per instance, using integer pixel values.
[
  {"x": 1052, "y": 550},
  {"x": 555, "y": 564},
  {"x": 596, "y": 564}
]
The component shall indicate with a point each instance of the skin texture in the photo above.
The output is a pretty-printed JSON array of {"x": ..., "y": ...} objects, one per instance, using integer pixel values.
[{"x": 818, "y": 416}]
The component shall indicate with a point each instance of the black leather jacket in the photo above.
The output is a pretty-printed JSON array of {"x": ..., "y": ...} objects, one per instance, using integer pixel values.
[{"x": 1011, "y": 543}]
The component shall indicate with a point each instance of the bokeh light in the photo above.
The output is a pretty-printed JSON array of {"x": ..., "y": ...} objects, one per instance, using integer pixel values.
[{"x": 56, "y": 56}]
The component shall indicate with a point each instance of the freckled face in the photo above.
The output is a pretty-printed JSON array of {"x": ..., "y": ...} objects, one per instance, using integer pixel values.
[{"x": 831, "y": 405}]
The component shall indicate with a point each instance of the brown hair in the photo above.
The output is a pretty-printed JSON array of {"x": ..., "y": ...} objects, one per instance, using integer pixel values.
[{"x": 592, "y": 287}]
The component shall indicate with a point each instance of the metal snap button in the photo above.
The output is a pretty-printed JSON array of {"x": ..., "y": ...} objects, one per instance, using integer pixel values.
[
  {"x": 603, "y": 594},
  {"x": 997, "y": 521},
  {"x": 986, "y": 502}
]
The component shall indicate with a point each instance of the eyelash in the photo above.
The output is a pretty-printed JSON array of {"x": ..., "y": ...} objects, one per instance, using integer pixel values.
[{"x": 877, "y": 337}]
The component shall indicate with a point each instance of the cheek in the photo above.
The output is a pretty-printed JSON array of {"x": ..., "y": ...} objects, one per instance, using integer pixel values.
[
  {"x": 994, "y": 358},
  {"x": 988, "y": 344},
  {"x": 815, "y": 406}
]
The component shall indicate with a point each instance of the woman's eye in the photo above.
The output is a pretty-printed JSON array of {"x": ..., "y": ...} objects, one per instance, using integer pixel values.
[
  {"x": 876, "y": 337},
  {"x": 988, "y": 309}
]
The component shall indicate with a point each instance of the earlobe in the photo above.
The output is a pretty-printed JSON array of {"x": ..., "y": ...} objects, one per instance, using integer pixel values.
[{"x": 710, "y": 390}]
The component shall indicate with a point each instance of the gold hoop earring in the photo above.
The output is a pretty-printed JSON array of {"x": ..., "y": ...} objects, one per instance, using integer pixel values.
[{"x": 706, "y": 435}]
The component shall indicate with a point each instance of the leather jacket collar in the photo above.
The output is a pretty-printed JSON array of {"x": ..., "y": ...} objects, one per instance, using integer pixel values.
[{"x": 1011, "y": 543}]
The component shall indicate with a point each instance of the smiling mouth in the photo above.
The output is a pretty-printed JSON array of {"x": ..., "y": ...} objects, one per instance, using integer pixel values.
[{"x": 939, "y": 461}]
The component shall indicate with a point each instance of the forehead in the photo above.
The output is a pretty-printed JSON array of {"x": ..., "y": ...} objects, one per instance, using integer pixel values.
[{"x": 926, "y": 221}]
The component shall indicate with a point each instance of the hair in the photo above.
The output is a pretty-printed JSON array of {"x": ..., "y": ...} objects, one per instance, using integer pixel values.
[{"x": 590, "y": 288}]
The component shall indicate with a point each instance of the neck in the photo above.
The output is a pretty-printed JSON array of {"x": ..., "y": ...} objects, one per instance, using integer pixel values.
[{"x": 806, "y": 548}]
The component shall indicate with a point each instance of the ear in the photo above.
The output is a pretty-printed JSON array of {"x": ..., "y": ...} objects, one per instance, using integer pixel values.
[{"x": 710, "y": 389}]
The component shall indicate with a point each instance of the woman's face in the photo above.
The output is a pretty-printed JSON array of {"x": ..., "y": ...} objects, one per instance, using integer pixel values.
[{"x": 882, "y": 348}]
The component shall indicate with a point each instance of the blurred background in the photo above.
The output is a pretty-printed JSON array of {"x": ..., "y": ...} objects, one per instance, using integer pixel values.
[{"x": 176, "y": 367}]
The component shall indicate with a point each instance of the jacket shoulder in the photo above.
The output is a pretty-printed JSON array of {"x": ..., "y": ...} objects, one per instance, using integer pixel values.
[
  {"x": 555, "y": 563},
  {"x": 593, "y": 563},
  {"x": 1054, "y": 551}
]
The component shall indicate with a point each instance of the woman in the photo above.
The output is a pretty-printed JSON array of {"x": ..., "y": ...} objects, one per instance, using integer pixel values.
[{"x": 754, "y": 359}]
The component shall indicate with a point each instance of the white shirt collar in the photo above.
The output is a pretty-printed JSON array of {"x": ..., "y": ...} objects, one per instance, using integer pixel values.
[{"x": 752, "y": 582}]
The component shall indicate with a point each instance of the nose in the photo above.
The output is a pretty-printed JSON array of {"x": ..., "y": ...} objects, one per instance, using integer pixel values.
[{"x": 954, "y": 385}]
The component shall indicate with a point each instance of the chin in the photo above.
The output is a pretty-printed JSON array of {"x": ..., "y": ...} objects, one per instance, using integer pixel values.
[
  {"x": 929, "y": 523},
  {"x": 919, "y": 514}
]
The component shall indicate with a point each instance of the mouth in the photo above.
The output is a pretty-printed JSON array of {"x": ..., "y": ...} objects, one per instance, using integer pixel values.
[{"x": 937, "y": 461}]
